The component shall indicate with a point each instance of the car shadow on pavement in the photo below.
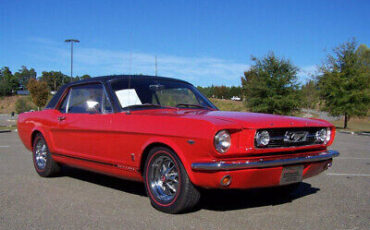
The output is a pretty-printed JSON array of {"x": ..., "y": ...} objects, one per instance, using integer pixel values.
[
  {"x": 227, "y": 200},
  {"x": 216, "y": 200},
  {"x": 132, "y": 187}
]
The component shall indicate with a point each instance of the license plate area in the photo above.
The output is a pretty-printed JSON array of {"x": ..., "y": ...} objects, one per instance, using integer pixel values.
[{"x": 291, "y": 174}]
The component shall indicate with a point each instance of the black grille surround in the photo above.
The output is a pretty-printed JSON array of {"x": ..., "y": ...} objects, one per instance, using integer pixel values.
[{"x": 277, "y": 137}]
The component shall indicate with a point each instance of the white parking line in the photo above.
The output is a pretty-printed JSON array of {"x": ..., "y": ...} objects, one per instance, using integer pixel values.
[
  {"x": 352, "y": 158},
  {"x": 348, "y": 174},
  {"x": 4, "y": 146}
]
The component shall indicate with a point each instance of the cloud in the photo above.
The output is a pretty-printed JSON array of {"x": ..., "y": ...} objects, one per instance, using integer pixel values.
[
  {"x": 96, "y": 62},
  {"x": 307, "y": 73},
  {"x": 203, "y": 71}
]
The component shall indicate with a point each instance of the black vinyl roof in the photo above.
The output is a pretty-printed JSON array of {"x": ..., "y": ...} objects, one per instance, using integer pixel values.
[
  {"x": 103, "y": 79},
  {"x": 114, "y": 77}
]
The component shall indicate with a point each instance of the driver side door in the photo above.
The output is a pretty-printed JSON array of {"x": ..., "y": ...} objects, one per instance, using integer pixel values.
[{"x": 84, "y": 124}]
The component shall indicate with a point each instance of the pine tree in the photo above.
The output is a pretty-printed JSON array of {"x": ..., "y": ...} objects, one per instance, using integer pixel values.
[
  {"x": 344, "y": 84},
  {"x": 270, "y": 86}
]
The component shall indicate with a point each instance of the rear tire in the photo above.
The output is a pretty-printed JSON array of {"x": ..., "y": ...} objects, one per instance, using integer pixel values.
[
  {"x": 167, "y": 183},
  {"x": 44, "y": 164}
]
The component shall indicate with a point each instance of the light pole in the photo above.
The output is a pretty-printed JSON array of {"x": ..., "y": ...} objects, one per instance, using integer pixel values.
[{"x": 71, "y": 41}]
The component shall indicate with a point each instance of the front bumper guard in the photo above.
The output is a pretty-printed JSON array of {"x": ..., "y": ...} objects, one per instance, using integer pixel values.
[{"x": 262, "y": 163}]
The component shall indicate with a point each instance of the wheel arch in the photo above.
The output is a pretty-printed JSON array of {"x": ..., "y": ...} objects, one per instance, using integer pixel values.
[
  {"x": 167, "y": 144},
  {"x": 33, "y": 135},
  {"x": 145, "y": 153},
  {"x": 38, "y": 130}
]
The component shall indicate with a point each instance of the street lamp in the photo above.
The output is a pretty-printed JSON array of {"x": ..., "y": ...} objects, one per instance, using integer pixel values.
[{"x": 71, "y": 41}]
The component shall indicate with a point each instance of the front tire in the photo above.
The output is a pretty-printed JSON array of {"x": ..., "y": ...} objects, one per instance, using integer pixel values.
[
  {"x": 167, "y": 183},
  {"x": 44, "y": 164}
]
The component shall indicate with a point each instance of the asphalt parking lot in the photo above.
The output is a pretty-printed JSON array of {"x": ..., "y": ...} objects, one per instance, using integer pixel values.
[{"x": 337, "y": 199}]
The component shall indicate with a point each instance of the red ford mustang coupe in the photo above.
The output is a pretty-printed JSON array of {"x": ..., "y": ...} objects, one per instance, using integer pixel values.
[{"x": 165, "y": 133}]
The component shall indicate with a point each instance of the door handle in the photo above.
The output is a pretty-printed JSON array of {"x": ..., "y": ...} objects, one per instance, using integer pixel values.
[{"x": 61, "y": 118}]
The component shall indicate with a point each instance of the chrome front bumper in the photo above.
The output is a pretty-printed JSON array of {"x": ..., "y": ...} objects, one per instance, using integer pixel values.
[{"x": 262, "y": 163}]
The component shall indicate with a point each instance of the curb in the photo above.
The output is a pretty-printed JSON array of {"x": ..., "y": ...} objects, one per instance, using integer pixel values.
[
  {"x": 347, "y": 132},
  {"x": 5, "y": 131},
  {"x": 357, "y": 133},
  {"x": 364, "y": 134}
]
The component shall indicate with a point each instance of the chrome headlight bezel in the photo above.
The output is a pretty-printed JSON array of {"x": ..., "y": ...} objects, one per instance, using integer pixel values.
[
  {"x": 222, "y": 141},
  {"x": 323, "y": 135},
  {"x": 262, "y": 138}
]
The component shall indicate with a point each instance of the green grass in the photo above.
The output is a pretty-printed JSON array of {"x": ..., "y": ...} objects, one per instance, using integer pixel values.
[
  {"x": 229, "y": 105},
  {"x": 8, "y": 127},
  {"x": 355, "y": 125}
]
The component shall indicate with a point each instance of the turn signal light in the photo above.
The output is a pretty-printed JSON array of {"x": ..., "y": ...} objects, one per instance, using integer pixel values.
[
  {"x": 226, "y": 180},
  {"x": 327, "y": 165}
]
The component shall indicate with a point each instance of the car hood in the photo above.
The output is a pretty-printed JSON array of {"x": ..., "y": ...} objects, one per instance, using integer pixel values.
[
  {"x": 260, "y": 120},
  {"x": 244, "y": 119}
]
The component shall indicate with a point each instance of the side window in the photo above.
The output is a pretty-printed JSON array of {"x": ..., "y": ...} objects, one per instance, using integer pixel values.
[{"x": 89, "y": 98}]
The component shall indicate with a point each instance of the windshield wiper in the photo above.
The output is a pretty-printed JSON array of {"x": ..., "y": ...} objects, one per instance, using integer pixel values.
[
  {"x": 192, "y": 105},
  {"x": 147, "y": 105}
]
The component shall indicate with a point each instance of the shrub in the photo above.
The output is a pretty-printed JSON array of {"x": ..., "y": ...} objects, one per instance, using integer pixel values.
[{"x": 24, "y": 104}]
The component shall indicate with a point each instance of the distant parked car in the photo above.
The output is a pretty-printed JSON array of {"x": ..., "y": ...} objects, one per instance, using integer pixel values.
[
  {"x": 236, "y": 98},
  {"x": 166, "y": 134},
  {"x": 23, "y": 92}
]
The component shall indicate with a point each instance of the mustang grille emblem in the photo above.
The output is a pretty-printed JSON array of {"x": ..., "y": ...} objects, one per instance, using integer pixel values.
[{"x": 295, "y": 136}]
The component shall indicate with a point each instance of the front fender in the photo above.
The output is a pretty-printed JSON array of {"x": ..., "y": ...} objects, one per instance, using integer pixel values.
[{"x": 186, "y": 151}]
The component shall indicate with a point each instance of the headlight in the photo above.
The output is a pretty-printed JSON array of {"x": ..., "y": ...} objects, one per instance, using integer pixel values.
[
  {"x": 323, "y": 135},
  {"x": 222, "y": 141},
  {"x": 262, "y": 138}
]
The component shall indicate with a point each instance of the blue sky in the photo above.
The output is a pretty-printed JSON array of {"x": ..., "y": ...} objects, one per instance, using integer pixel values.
[{"x": 204, "y": 42}]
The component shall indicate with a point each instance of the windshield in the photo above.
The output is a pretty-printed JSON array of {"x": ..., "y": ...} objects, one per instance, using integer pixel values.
[{"x": 141, "y": 92}]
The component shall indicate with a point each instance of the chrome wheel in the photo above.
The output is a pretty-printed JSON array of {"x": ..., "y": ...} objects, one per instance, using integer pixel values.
[
  {"x": 163, "y": 178},
  {"x": 41, "y": 152},
  {"x": 167, "y": 183}
]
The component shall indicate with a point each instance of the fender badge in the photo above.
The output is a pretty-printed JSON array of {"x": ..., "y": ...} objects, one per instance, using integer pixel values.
[{"x": 191, "y": 142}]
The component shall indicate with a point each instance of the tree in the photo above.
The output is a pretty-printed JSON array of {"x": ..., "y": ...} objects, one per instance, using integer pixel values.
[
  {"x": 221, "y": 92},
  {"x": 344, "y": 84},
  {"x": 39, "y": 92},
  {"x": 8, "y": 83},
  {"x": 204, "y": 90},
  {"x": 310, "y": 95},
  {"x": 24, "y": 75},
  {"x": 54, "y": 79},
  {"x": 270, "y": 86},
  {"x": 364, "y": 53},
  {"x": 235, "y": 91},
  {"x": 85, "y": 76}
]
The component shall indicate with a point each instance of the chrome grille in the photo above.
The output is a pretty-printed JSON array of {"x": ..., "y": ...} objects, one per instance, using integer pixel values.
[{"x": 290, "y": 137}]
